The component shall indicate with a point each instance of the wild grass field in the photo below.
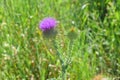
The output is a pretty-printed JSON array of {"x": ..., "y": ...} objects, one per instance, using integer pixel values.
[{"x": 87, "y": 43}]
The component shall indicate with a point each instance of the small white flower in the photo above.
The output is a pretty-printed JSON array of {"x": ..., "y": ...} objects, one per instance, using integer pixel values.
[
  {"x": 6, "y": 44},
  {"x": 6, "y": 57}
]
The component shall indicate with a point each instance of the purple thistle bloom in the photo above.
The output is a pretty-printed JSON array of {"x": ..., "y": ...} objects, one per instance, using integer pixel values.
[{"x": 47, "y": 24}]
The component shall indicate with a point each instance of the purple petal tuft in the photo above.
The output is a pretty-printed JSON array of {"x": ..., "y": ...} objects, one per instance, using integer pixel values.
[{"x": 47, "y": 24}]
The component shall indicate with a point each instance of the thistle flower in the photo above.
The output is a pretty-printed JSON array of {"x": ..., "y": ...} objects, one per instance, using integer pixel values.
[{"x": 47, "y": 24}]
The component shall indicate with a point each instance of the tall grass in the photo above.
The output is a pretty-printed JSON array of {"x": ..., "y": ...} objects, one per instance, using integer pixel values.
[{"x": 26, "y": 55}]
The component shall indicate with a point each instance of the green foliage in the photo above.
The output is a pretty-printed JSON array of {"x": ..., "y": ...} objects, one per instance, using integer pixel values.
[{"x": 26, "y": 55}]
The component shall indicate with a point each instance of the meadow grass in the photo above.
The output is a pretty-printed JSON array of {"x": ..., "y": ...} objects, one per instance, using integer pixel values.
[{"x": 26, "y": 55}]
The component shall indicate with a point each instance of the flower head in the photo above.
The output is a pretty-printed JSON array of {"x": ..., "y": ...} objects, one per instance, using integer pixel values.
[
  {"x": 48, "y": 24},
  {"x": 72, "y": 34}
]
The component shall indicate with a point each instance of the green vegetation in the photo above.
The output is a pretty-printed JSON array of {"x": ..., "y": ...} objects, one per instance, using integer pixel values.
[{"x": 26, "y": 55}]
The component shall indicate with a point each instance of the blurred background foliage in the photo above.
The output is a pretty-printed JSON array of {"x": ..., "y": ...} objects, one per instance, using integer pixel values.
[{"x": 25, "y": 56}]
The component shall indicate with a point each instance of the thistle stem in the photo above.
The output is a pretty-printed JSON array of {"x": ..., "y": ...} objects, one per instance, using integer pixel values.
[{"x": 61, "y": 61}]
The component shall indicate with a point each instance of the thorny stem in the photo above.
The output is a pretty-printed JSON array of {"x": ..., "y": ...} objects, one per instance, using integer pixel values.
[
  {"x": 69, "y": 53},
  {"x": 63, "y": 65}
]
